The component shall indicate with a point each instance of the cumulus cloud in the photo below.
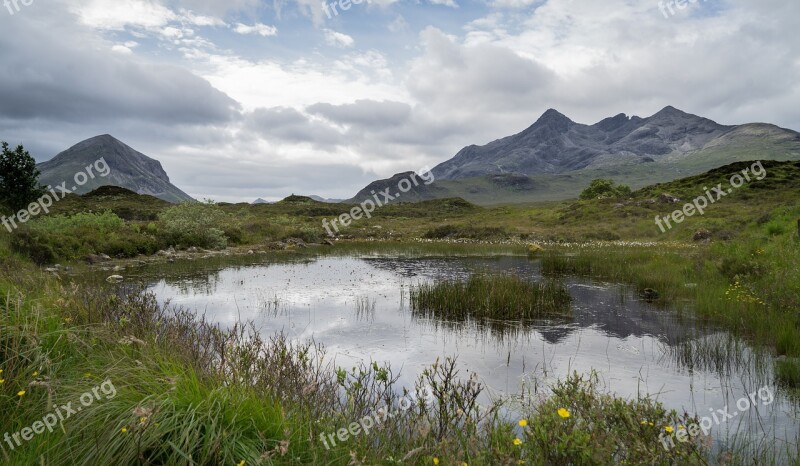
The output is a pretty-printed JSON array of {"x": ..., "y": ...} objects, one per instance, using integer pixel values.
[
  {"x": 258, "y": 28},
  {"x": 338, "y": 39}
]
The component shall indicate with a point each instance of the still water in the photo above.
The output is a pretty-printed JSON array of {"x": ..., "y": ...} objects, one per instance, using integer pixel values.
[{"x": 357, "y": 306}]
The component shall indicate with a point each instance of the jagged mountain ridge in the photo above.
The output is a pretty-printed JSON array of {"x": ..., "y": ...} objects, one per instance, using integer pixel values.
[
  {"x": 130, "y": 169},
  {"x": 555, "y": 144}
]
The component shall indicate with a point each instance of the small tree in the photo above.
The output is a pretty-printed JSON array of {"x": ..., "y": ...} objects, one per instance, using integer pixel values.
[
  {"x": 604, "y": 189},
  {"x": 19, "y": 178}
]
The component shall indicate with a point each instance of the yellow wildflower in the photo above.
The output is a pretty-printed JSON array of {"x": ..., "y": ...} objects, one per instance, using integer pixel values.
[
  {"x": 124, "y": 430},
  {"x": 669, "y": 429},
  {"x": 36, "y": 373},
  {"x": 21, "y": 393},
  {"x": 241, "y": 463},
  {"x": 563, "y": 413},
  {"x": 517, "y": 442},
  {"x": 523, "y": 422},
  {"x": 435, "y": 460}
]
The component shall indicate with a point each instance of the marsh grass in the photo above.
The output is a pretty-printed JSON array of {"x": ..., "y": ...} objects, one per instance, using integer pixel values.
[
  {"x": 190, "y": 392},
  {"x": 497, "y": 297}
]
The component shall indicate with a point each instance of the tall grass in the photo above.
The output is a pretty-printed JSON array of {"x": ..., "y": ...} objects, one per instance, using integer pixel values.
[{"x": 499, "y": 297}]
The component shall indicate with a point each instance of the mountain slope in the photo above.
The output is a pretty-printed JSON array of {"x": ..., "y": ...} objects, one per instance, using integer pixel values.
[
  {"x": 129, "y": 169},
  {"x": 555, "y": 158},
  {"x": 556, "y": 144}
]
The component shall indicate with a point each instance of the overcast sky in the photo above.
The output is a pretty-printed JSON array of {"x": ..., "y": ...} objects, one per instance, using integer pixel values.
[{"x": 241, "y": 99}]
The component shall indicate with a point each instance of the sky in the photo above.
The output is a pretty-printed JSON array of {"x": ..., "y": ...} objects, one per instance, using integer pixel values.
[{"x": 246, "y": 99}]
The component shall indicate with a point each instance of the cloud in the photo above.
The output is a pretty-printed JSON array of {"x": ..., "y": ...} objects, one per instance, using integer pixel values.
[
  {"x": 258, "y": 28},
  {"x": 337, "y": 39},
  {"x": 97, "y": 82},
  {"x": 364, "y": 113},
  {"x": 289, "y": 125},
  {"x": 450, "y": 3},
  {"x": 330, "y": 107}
]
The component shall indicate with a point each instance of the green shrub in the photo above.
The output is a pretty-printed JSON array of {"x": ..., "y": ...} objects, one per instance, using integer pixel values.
[
  {"x": 197, "y": 224},
  {"x": 465, "y": 231},
  {"x": 604, "y": 189},
  {"x": 63, "y": 238}
]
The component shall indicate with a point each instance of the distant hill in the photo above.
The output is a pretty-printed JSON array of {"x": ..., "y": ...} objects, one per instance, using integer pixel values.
[
  {"x": 417, "y": 193},
  {"x": 556, "y": 158},
  {"x": 260, "y": 201},
  {"x": 129, "y": 169}
]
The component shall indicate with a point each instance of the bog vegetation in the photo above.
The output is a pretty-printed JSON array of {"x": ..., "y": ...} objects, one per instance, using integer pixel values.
[{"x": 190, "y": 392}]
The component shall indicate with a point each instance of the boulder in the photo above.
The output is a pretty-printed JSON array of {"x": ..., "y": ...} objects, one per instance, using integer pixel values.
[
  {"x": 702, "y": 235},
  {"x": 668, "y": 199}
]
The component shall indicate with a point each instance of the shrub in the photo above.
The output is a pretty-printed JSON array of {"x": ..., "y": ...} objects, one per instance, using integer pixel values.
[
  {"x": 604, "y": 189},
  {"x": 61, "y": 237},
  {"x": 469, "y": 232},
  {"x": 196, "y": 224}
]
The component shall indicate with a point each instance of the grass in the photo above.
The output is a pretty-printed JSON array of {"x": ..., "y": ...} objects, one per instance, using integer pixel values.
[
  {"x": 186, "y": 392},
  {"x": 213, "y": 396},
  {"x": 497, "y": 297}
]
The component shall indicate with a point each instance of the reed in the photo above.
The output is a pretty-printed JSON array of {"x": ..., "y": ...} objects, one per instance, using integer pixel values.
[{"x": 497, "y": 297}]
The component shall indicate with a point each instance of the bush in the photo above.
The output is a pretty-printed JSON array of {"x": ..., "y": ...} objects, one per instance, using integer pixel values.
[
  {"x": 605, "y": 189},
  {"x": 62, "y": 238},
  {"x": 197, "y": 224},
  {"x": 469, "y": 232}
]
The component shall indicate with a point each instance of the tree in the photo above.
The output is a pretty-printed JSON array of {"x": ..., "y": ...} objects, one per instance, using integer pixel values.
[
  {"x": 604, "y": 189},
  {"x": 19, "y": 178}
]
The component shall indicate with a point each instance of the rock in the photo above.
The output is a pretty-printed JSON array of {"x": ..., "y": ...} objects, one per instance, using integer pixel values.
[
  {"x": 534, "y": 249},
  {"x": 328, "y": 242},
  {"x": 619, "y": 206},
  {"x": 118, "y": 268},
  {"x": 192, "y": 250},
  {"x": 51, "y": 270},
  {"x": 702, "y": 235},
  {"x": 296, "y": 242},
  {"x": 251, "y": 252},
  {"x": 115, "y": 279},
  {"x": 105, "y": 257},
  {"x": 668, "y": 199},
  {"x": 649, "y": 294},
  {"x": 92, "y": 259}
]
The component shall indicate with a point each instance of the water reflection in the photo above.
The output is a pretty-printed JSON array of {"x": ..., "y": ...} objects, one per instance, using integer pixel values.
[{"x": 358, "y": 308}]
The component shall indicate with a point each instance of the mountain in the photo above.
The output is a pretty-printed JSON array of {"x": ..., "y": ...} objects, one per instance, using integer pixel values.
[
  {"x": 556, "y": 158},
  {"x": 416, "y": 192},
  {"x": 327, "y": 201},
  {"x": 260, "y": 201},
  {"x": 128, "y": 169},
  {"x": 556, "y": 144}
]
